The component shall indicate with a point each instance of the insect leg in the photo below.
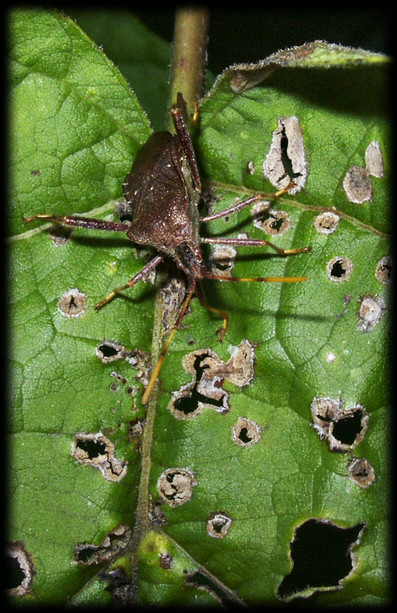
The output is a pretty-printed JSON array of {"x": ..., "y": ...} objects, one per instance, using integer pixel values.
[
  {"x": 252, "y": 242},
  {"x": 185, "y": 140},
  {"x": 259, "y": 279},
  {"x": 138, "y": 277},
  {"x": 157, "y": 368},
  {"x": 234, "y": 208},
  {"x": 82, "y": 222}
]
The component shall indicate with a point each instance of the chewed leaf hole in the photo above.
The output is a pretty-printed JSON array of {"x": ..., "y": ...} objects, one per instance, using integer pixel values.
[
  {"x": 246, "y": 432},
  {"x": 209, "y": 373},
  {"x": 339, "y": 269},
  {"x": 243, "y": 436},
  {"x": 96, "y": 450},
  {"x": 348, "y": 428},
  {"x": 322, "y": 558},
  {"x": 219, "y": 592},
  {"x": 18, "y": 568},
  {"x": 186, "y": 404},
  {"x": 361, "y": 472},
  {"x": 286, "y": 159},
  {"x": 85, "y": 555},
  {"x": 269, "y": 220},
  {"x": 326, "y": 223},
  {"x": 14, "y": 573},
  {"x": 342, "y": 428},
  {"x": 110, "y": 351},
  {"x": 93, "y": 448},
  {"x": 72, "y": 303},
  {"x": 60, "y": 235},
  {"x": 124, "y": 211},
  {"x": 218, "y": 525},
  {"x": 175, "y": 486},
  {"x": 114, "y": 542},
  {"x": 223, "y": 259}
]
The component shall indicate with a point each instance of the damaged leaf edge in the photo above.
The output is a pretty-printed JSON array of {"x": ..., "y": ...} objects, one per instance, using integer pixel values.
[{"x": 315, "y": 54}]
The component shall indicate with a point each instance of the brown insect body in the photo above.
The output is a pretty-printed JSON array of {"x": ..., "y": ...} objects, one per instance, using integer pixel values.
[
  {"x": 161, "y": 191},
  {"x": 164, "y": 189}
]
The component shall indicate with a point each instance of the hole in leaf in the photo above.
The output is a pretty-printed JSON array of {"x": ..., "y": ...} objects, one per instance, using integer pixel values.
[
  {"x": 342, "y": 428},
  {"x": 246, "y": 432},
  {"x": 222, "y": 258},
  {"x": 201, "y": 581},
  {"x": 111, "y": 351},
  {"x": 187, "y": 404},
  {"x": 60, "y": 235},
  {"x": 85, "y": 555},
  {"x": 348, "y": 428},
  {"x": 72, "y": 303},
  {"x": 14, "y": 574},
  {"x": 218, "y": 525},
  {"x": 19, "y": 571},
  {"x": 209, "y": 373},
  {"x": 92, "y": 447},
  {"x": 321, "y": 553},
  {"x": 114, "y": 542},
  {"x": 269, "y": 220},
  {"x": 339, "y": 269},
  {"x": 285, "y": 159},
  {"x": 276, "y": 224},
  {"x": 243, "y": 436},
  {"x": 108, "y": 351},
  {"x": 361, "y": 472},
  {"x": 175, "y": 486},
  {"x": 326, "y": 223}
]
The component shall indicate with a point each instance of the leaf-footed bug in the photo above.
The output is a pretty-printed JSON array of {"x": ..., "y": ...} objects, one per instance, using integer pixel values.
[{"x": 164, "y": 189}]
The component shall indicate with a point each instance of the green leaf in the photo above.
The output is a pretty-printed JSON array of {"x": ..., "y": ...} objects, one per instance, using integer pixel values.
[
  {"x": 204, "y": 491},
  {"x": 76, "y": 128},
  {"x": 75, "y": 123},
  {"x": 141, "y": 56}
]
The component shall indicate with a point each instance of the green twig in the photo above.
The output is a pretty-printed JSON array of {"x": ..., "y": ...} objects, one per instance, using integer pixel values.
[
  {"x": 189, "y": 55},
  {"x": 187, "y": 76}
]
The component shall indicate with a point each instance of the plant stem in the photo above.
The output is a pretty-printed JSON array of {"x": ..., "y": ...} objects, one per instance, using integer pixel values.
[
  {"x": 187, "y": 77},
  {"x": 189, "y": 55}
]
